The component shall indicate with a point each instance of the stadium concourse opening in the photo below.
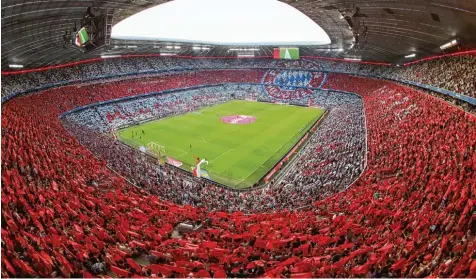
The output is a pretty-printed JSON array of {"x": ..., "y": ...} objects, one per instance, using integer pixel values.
[{"x": 230, "y": 22}]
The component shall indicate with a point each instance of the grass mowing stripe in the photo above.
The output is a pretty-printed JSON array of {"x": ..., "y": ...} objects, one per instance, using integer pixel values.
[{"x": 239, "y": 154}]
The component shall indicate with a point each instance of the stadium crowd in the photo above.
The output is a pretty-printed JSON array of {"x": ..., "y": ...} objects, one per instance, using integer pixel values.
[
  {"x": 335, "y": 154},
  {"x": 410, "y": 214},
  {"x": 452, "y": 73}
]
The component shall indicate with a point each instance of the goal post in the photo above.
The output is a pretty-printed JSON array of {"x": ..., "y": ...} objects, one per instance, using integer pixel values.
[{"x": 157, "y": 150}]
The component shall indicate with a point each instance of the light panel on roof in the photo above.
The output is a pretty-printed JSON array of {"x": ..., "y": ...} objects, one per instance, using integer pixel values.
[
  {"x": 448, "y": 45},
  {"x": 15, "y": 66}
]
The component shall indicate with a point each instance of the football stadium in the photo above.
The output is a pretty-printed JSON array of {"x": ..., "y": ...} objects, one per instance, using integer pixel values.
[{"x": 238, "y": 139}]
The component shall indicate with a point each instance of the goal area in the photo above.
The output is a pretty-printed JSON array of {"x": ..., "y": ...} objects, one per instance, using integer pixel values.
[{"x": 157, "y": 150}]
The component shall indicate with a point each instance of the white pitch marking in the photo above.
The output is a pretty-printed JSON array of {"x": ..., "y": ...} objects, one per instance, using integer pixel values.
[
  {"x": 181, "y": 155},
  {"x": 181, "y": 150},
  {"x": 222, "y": 154}
]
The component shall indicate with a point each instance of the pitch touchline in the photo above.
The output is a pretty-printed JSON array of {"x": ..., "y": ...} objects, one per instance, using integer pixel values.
[{"x": 222, "y": 155}]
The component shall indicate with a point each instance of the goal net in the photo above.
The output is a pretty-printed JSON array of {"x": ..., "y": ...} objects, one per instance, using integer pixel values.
[{"x": 157, "y": 150}]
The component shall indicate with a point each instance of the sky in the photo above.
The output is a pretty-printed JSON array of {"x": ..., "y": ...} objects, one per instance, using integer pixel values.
[{"x": 223, "y": 22}]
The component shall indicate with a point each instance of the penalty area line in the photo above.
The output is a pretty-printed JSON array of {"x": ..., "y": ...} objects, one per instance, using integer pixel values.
[{"x": 183, "y": 152}]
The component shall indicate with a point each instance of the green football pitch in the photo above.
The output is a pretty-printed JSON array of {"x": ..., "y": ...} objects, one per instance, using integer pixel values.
[{"x": 239, "y": 155}]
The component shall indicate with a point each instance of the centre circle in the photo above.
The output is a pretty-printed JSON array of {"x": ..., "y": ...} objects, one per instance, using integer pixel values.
[{"x": 238, "y": 119}]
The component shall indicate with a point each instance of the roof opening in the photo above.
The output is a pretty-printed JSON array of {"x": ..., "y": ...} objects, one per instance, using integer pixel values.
[{"x": 223, "y": 22}]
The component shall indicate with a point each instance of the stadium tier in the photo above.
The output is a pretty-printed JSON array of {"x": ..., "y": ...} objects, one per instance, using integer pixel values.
[
  {"x": 369, "y": 177},
  {"x": 453, "y": 73}
]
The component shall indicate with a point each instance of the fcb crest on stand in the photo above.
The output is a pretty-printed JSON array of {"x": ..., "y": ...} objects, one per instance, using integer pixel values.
[{"x": 291, "y": 84}]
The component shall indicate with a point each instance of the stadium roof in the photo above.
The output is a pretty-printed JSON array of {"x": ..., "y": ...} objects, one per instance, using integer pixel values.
[
  {"x": 219, "y": 22},
  {"x": 32, "y": 31}
]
